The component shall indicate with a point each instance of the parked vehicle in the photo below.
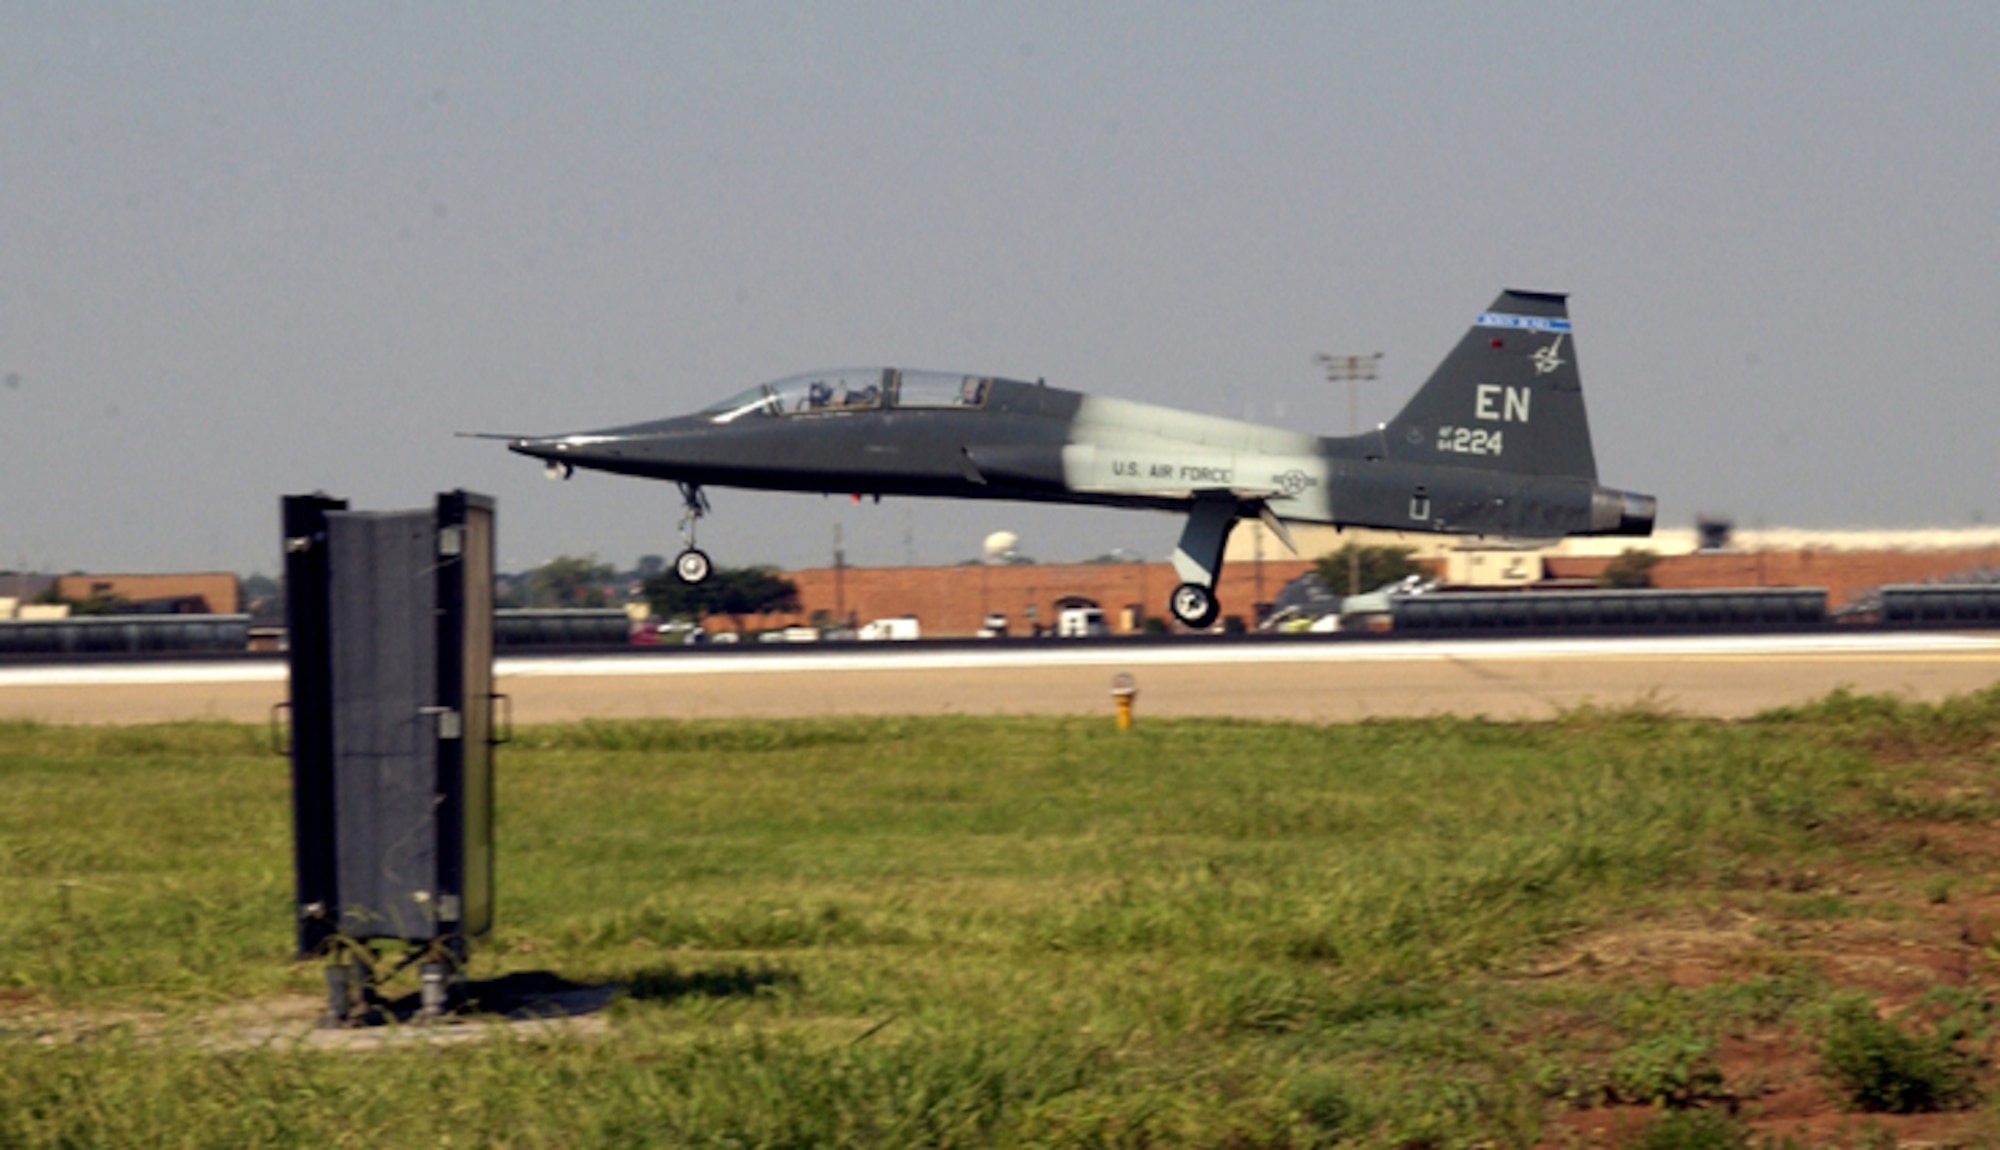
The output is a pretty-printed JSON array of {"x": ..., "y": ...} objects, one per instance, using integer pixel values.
[
  {"x": 900, "y": 627},
  {"x": 797, "y": 634},
  {"x": 1371, "y": 610},
  {"x": 1081, "y": 623}
]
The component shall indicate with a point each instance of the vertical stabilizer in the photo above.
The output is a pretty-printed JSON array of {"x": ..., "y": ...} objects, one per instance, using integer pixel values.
[{"x": 1507, "y": 398}]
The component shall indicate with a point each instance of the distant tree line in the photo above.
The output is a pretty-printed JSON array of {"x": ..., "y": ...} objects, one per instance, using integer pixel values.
[
  {"x": 736, "y": 592},
  {"x": 572, "y": 581},
  {"x": 1632, "y": 570},
  {"x": 1358, "y": 569},
  {"x": 97, "y": 603}
]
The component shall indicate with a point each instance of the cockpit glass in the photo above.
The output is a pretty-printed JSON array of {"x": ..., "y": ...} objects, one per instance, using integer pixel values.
[
  {"x": 940, "y": 389},
  {"x": 829, "y": 391},
  {"x": 754, "y": 401}
]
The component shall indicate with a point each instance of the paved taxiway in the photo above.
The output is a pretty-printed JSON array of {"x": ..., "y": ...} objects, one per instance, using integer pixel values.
[{"x": 1724, "y": 676}]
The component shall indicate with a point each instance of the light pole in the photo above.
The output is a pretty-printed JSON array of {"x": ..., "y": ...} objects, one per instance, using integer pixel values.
[
  {"x": 839, "y": 578},
  {"x": 1258, "y": 538},
  {"x": 1351, "y": 369}
]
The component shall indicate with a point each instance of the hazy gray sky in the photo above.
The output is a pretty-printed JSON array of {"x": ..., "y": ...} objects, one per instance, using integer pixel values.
[{"x": 263, "y": 248}]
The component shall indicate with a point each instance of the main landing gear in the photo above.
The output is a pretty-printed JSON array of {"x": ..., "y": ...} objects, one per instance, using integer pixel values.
[
  {"x": 1198, "y": 559},
  {"x": 691, "y": 565},
  {"x": 1194, "y": 605}
]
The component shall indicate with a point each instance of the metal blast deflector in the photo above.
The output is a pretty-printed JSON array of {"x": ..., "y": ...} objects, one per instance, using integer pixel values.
[{"x": 390, "y": 619}]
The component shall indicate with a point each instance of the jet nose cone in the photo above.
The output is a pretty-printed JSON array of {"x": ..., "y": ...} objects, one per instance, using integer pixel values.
[
  {"x": 540, "y": 447},
  {"x": 559, "y": 451}
]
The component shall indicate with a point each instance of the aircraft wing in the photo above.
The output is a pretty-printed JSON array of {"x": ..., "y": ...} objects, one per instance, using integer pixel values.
[
  {"x": 1259, "y": 497},
  {"x": 1240, "y": 494}
]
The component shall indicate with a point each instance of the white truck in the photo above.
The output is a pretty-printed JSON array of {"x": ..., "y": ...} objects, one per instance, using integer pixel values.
[
  {"x": 1080, "y": 623},
  {"x": 900, "y": 627}
]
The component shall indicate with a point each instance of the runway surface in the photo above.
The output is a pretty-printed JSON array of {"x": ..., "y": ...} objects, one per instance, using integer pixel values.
[{"x": 1722, "y": 676}]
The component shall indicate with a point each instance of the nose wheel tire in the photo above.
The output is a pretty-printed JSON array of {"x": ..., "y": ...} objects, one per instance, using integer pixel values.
[
  {"x": 691, "y": 566},
  {"x": 1194, "y": 605}
]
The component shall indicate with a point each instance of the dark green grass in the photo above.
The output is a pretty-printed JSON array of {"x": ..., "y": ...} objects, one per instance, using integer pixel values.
[{"x": 965, "y": 931}]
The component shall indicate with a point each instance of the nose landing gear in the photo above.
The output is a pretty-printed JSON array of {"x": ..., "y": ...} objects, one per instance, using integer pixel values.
[{"x": 691, "y": 565}]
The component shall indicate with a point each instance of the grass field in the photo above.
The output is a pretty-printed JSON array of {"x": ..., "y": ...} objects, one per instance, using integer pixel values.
[{"x": 988, "y": 931}]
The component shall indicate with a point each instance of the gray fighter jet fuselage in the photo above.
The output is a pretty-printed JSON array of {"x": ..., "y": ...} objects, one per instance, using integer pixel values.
[{"x": 1495, "y": 443}]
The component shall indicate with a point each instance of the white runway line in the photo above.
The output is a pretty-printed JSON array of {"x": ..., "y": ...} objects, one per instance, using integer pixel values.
[
  {"x": 143, "y": 674},
  {"x": 1055, "y": 653}
]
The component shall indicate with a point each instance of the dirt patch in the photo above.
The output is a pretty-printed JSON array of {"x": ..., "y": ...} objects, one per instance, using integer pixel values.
[
  {"x": 1893, "y": 933},
  {"x": 293, "y": 1024},
  {"x": 516, "y": 1006},
  {"x": 1688, "y": 953}
]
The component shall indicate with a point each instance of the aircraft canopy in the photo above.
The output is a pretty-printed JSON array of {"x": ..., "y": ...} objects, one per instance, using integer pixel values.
[{"x": 857, "y": 389}]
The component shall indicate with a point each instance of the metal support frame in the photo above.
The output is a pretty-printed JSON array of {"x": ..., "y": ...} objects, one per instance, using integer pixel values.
[{"x": 694, "y": 505}]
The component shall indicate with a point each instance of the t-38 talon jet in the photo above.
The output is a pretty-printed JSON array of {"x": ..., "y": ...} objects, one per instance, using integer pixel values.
[{"x": 1495, "y": 443}]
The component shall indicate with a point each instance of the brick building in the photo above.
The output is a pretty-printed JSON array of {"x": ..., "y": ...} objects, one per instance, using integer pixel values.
[
  {"x": 1846, "y": 575},
  {"x": 953, "y": 600},
  {"x": 208, "y": 593}
]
